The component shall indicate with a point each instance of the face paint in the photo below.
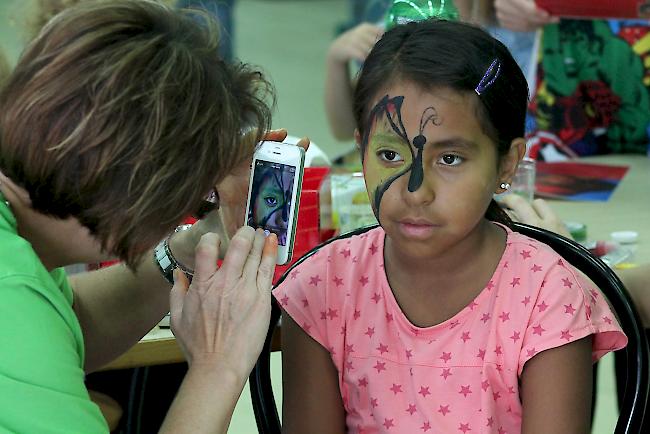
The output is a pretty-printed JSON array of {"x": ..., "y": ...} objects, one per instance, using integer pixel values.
[
  {"x": 271, "y": 203},
  {"x": 417, "y": 173},
  {"x": 386, "y": 136}
]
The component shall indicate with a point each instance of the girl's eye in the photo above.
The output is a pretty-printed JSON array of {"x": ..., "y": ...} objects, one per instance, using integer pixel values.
[
  {"x": 451, "y": 160},
  {"x": 390, "y": 156},
  {"x": 271, "y": 201}
]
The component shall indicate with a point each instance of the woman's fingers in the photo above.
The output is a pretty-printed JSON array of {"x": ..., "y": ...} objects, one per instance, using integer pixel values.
[
  {"x": 238, "y": 252},
  {"x": 255, "y": 255},
  {"x": 276, "y": 135},
  {"x": 206, "y": 256},
  {"x": 304, "y": 143},
  {"x": 267, "y": 264},
  {"x": 177, "y": 295}
]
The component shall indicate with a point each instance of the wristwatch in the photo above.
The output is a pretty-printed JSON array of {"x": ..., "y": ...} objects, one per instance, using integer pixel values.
[{"x": 167, "y": 263}]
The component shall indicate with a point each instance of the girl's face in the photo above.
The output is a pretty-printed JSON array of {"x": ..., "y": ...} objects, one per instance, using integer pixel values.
[
  {"x": 271, "y": 208},
  {"x": 430, "y": 170}
]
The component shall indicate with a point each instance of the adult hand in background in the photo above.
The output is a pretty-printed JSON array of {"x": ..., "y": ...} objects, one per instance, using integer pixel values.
[
  {"x": 221, "y": 318},
  {"x": 538, "y": 213},
  {"x": 521, "y": 15},
  {"x": 354, "y": 44}
]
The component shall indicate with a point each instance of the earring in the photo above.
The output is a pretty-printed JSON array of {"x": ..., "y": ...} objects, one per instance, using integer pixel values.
[{"x": 505, "y": 185}]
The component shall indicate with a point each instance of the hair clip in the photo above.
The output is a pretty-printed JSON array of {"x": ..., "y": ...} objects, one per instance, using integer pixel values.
[{"x": 489, "y": 77}]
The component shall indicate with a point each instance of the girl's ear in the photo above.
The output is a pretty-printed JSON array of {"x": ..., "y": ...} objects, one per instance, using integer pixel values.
[{"x": 510, "y": 161}]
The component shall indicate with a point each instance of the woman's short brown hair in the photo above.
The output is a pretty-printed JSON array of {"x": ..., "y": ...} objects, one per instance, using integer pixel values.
[
  {"x": 121, "y": 114},
  {"x": 4, "y": 67}
]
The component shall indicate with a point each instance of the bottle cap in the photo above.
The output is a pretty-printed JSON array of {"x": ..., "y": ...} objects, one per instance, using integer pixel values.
[{"x": 625, "y": 237}]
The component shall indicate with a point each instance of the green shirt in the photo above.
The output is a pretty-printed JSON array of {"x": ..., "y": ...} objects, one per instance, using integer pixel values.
[{"x": 41, "y": 345}]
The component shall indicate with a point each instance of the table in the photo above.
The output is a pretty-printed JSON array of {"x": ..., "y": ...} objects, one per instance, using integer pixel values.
[
  {"x": 627, "y": 209},
  {"x": 159, "y": 347}
]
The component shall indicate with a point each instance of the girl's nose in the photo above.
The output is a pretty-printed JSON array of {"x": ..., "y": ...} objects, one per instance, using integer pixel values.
[{"x": 422, "y": 195}]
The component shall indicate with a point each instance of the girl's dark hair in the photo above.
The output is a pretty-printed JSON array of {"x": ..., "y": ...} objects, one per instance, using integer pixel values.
[{"x": 448, "y": 54}]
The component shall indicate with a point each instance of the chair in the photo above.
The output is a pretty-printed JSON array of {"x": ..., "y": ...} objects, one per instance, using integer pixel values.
[{"x": 634, "y": 358}]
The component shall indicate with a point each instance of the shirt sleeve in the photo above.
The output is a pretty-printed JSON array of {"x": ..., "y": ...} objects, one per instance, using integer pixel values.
[
  {"x": 569, "y": 308},
  {"x": 313, "y": 302},
  {"x": 41, "y": 378}
]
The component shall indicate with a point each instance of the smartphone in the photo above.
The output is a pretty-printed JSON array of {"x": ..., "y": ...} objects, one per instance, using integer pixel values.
[{"x": 274, "y": 193}]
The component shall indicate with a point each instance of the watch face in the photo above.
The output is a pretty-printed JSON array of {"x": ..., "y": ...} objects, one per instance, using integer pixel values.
[{"x": 164, "y": 261}]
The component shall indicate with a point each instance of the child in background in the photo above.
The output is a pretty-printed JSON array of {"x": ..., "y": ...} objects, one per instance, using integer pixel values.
[
  {"x": 442, "y": 319},
  {"x": 355, "y": 44}
]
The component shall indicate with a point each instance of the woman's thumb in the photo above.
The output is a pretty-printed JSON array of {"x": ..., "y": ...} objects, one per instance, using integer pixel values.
[{"x": 177, "y": 294}]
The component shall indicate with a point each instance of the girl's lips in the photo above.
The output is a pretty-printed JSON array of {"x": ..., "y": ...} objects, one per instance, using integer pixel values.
[{"x": 416, "y": 228}]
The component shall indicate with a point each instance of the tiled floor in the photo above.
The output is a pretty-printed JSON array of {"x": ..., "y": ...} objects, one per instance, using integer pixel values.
[{"x": 288, "y": 39}]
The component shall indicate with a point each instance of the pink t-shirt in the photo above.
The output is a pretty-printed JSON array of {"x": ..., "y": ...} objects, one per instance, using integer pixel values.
[{"x": 459, "y": 376}]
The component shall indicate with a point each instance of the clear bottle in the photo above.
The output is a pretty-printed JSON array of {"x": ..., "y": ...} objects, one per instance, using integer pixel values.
[{"x": 404, "y": 11}]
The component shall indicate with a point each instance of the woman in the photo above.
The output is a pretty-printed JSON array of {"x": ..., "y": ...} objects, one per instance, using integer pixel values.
[{"x": 115, "y": 124}]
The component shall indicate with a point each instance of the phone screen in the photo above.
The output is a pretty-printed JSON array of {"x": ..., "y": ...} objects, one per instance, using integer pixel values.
[{"x": 270, "y": 199}]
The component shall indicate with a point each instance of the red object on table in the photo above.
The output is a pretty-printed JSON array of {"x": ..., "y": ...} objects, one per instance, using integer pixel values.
[
  {"x": 308, "y": 231},
  {"x": 596, "y": 8}
]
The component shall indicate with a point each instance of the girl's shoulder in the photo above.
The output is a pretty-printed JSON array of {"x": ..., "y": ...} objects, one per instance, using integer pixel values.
[
  {"x": 522, "y": 249},
  {"x": 353, "y": 248}
]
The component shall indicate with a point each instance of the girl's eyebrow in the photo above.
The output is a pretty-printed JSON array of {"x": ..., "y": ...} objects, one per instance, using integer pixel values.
[
  {"x": 388, "y": 138},
  {"x": 452, "y": 142},
  {"x": 455, "y": 142}
]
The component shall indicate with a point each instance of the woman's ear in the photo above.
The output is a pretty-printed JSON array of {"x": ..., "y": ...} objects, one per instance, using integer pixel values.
[{"x": 510, "y": 161}]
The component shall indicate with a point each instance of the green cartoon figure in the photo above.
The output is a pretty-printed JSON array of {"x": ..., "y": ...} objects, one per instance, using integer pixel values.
[{"x": 591, "y": 91}]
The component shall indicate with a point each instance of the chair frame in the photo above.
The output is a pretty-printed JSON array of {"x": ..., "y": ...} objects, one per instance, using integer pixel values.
[{"x": 634, "y": 358}]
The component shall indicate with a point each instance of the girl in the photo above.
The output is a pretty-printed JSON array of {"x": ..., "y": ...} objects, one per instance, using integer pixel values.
[{"x": 443, "y": 319}]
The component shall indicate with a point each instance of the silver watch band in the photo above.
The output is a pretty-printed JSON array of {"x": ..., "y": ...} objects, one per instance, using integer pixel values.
[{"x": 167, "y": 263}]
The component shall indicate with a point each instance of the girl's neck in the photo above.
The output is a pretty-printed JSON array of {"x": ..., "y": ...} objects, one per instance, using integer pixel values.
[{"x": 470, "y": 262}]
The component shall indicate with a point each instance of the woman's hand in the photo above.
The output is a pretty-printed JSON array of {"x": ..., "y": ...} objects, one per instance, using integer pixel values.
[
  {"x": 521, "y": 15},
  {"x": 233, "y": 190},
  {"x": 221, "y": 318},
  {"x": 538, "y": 213},
  {"x": 233, "y": 193}
]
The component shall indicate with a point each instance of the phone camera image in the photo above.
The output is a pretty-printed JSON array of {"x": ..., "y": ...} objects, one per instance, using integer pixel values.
[{"x": 270, "y": 198}]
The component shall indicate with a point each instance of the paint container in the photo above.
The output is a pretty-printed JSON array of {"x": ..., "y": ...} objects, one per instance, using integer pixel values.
[
  {"x": 577, "y": 230},
  {"x": 523, "y": 183},
  {"x": 601, "y": 248},
  {"x": 349, "y": 207}
]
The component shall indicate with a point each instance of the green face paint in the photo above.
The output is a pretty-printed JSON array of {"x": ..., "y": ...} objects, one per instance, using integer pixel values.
[
  {"x": 387, "y": 151},
  {"x": 269, "y": 202}
]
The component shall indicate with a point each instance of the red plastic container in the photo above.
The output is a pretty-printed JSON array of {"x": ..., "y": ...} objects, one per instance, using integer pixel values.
[{"x": 308, "y": 233}]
